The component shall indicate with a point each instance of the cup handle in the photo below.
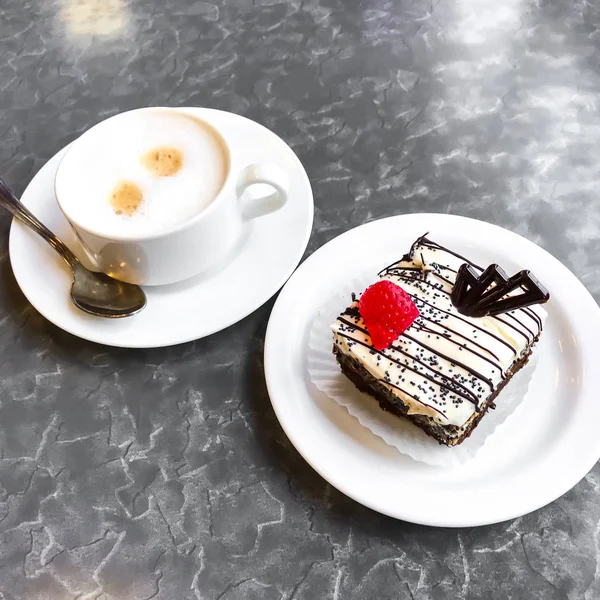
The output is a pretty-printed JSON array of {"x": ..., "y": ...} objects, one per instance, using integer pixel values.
[{"x": 266, "y": 173}]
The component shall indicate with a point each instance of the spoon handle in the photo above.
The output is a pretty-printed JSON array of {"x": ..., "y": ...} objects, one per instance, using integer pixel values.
[{"x": 13, "y": 205}]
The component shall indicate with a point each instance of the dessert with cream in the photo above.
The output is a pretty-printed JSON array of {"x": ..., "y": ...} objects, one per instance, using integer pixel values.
[{"x": 437, "y": 338}]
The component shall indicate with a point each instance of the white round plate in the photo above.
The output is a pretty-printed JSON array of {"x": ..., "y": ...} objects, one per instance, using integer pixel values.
[
  {"x": 538, "y": 454},
  {"x": 270, "y": 251}
]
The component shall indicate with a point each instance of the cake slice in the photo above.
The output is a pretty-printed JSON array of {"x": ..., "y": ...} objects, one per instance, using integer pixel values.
[{"x": 474, "y": 330}]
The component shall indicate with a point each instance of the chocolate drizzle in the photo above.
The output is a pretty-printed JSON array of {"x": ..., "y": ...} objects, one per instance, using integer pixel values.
[
  {"x": 447, "y": 382},
  {"x": 445, "y": 312},
  {"x": 453, "y": 360},
  {"x": 519, "y": 331},
  {"x": 449, "y": 339},
  {"x": 443, "y": 291},
  {"x": 535, "y": 317},
  {"x": 529, "y": 331}
]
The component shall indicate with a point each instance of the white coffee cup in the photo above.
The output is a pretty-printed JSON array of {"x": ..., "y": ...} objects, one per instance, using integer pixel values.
[{"x": 187, "y": 248}]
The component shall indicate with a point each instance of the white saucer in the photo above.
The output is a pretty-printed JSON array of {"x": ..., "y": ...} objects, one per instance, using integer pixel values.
[
  {"x": 270, "y": 251},
  {"x": 538, "y": 454}
]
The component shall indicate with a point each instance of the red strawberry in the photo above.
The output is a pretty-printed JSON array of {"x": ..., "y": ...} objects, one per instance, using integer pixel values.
[{"x": 387, "y": 311}]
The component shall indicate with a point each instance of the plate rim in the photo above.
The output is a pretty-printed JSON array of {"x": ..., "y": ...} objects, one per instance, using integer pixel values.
[
  {"x": 270, "y": 361},
  {"x": 99, "y": 339}
]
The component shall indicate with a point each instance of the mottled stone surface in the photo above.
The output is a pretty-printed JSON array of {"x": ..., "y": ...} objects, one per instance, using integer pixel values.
[{"x": 164, "y": 473}]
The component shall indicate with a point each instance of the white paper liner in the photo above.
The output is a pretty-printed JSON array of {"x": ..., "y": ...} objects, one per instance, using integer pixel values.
[{"x": 400, "y": 433}]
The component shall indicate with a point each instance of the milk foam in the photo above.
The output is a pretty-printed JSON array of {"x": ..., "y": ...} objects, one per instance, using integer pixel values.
[{"x": 113, "y": 153}]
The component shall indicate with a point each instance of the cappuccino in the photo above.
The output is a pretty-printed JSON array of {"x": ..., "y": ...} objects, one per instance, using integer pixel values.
[{"x": 145, "y": 174}]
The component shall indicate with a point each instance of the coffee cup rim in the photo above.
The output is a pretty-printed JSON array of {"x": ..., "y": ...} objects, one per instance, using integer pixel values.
[{"x": 133, "y": 237}]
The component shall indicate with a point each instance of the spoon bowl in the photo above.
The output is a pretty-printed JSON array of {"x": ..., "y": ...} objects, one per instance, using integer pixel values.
[{"x": 102, "y": 296}]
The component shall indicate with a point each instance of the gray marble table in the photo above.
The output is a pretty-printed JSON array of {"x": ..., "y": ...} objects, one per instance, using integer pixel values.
[{"x": 150, "y": 474}]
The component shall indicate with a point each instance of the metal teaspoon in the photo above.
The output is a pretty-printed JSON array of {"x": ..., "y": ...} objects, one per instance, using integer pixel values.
[{"x": 93, "y": 292}]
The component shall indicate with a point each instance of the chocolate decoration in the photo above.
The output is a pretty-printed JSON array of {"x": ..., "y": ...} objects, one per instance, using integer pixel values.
[{"x": 486, "y": 294}]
